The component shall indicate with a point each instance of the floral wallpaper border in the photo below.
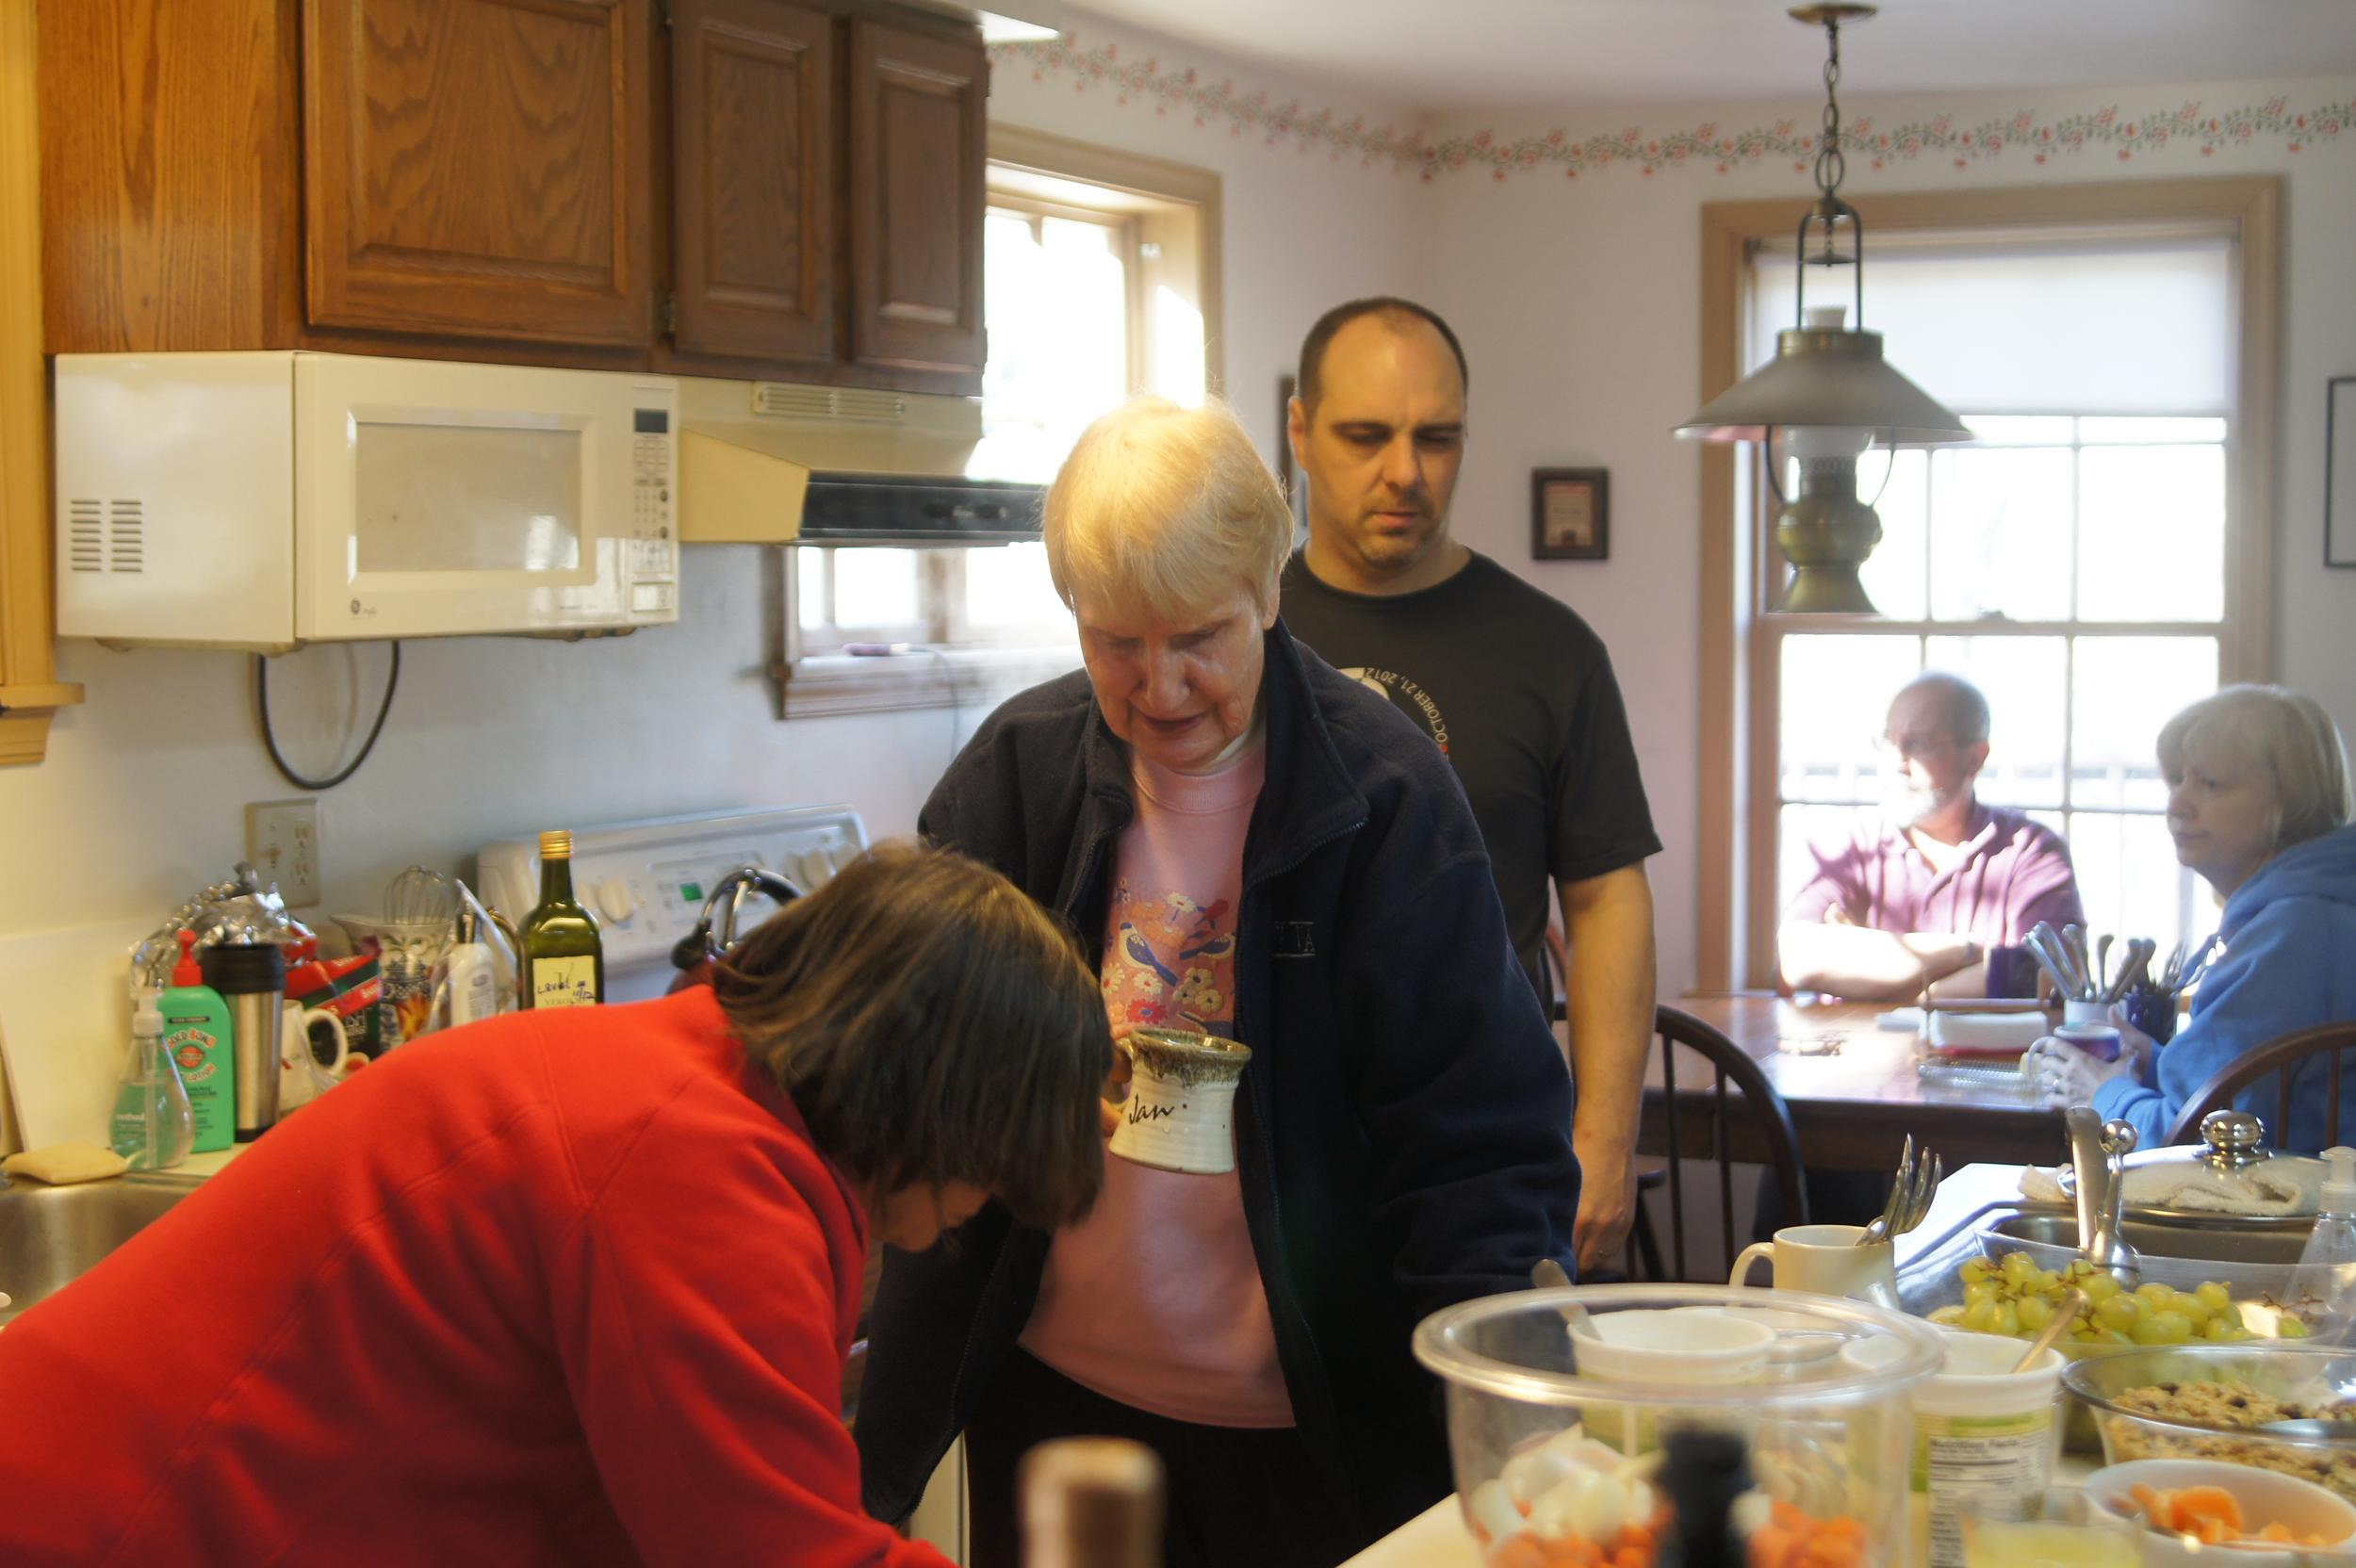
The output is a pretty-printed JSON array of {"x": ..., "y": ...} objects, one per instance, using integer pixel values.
[{"x": 1703, "y": 147}]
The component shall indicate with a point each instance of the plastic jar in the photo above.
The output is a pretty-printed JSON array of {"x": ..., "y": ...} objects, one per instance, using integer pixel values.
[{"x": 1979, "y": 1426}]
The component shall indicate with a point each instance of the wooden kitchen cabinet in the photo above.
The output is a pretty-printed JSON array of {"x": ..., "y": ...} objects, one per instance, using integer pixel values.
[
  {"x": 479, "y": 168},
  {"x": 919, "y": 140},
  {"x": 30, "y": 693},
  {"x": 760, "y": 189},
  {"x": 753, "y": 184}
]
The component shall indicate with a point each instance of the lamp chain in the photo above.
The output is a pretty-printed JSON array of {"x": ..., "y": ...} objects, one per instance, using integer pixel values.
[{"x": 1831, "y": 165}]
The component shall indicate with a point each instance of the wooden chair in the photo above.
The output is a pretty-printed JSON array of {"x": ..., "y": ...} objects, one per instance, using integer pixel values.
[
  {"x": 2285, "y": 1060},
  {"x": 1758, "y": 1103},
  {"x": 1726, "y": 1064}
]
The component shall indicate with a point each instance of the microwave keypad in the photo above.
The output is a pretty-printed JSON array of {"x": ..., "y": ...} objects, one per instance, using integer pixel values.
[{"x": 651, "y": 458}]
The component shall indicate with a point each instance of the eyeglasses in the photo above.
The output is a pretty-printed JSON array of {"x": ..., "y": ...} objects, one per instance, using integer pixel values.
[{"x": 1918, "y": 747}]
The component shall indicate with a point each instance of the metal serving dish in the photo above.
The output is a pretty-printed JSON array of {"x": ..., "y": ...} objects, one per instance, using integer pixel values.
[{"x": 2246, "y": 1262}]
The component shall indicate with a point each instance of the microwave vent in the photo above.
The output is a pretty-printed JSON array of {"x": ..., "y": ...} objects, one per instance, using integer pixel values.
[
  {"x": 778, "y": 400},
  {"x": 105, "y": 536}
]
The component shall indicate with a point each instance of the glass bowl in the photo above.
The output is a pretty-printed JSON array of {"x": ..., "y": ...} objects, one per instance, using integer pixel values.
[
  {"x": 2198, "y": 1401},
  {"x": 1556, "y": 1427}
]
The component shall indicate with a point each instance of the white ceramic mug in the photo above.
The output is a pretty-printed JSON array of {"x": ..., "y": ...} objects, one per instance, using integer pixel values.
[
  {"x": 1827, "y": 1259},
  {"x": 1180, "y": 1110},
  {"x": 301, "y": 1075}
]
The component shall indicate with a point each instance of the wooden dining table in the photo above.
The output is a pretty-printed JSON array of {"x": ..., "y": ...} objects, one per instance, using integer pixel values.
[{"x": 1852, "y": 1089}]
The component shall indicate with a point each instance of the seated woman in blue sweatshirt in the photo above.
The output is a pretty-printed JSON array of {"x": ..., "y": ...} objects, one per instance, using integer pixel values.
[{"x": 2259, "y": 804}]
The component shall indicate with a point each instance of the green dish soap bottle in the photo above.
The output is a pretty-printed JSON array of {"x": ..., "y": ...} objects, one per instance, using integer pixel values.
[
  {"x": 196, "y": 1032},
  {"x": 154, "y": 1126}
]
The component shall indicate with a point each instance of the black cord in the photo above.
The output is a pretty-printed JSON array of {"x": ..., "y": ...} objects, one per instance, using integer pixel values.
[{"x": 261, "y": 704}]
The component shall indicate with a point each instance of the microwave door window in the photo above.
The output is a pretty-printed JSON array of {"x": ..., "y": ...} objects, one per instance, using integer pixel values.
[{"x": 452, "y": 499}]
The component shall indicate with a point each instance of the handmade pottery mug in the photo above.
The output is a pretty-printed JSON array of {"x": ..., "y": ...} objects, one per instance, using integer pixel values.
[
  {"x": 1827, "y": 1259},
  {"x": 1180, "y": 1110}
]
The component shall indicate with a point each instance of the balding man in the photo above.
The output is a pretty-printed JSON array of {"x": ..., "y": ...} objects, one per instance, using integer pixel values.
[
  {"x": 1510, "y": 683},
  {"x": 1943, "y": 891}
]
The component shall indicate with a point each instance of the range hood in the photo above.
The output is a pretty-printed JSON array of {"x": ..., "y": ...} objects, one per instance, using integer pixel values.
[{"x": 775, "y": 464}]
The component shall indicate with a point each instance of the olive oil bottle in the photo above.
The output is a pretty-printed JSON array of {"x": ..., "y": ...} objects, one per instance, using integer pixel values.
[{"x": 563, "y": 960}]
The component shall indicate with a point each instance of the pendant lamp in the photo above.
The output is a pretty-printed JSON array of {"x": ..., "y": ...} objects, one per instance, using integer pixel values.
[{"x": 1827, "y": 393}]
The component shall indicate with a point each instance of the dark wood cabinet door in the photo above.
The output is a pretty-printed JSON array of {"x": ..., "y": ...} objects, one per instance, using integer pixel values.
[
  {"x": 753, "y": 178},
  {"x": 479, "y": 168},
  {"x": 918, "y": 143}
]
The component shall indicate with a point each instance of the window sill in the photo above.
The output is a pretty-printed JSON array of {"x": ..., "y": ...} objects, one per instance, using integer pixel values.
[{"x": 826, "y": 685}]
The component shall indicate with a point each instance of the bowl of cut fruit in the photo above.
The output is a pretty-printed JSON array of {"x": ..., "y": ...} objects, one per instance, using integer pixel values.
[
  {"x": 1561, "y": 1412},
  {"x": 2012, "y": 1295}
]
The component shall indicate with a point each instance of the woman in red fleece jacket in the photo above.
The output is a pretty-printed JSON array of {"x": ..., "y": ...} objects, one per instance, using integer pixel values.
[{"x": 571, "y": 1287}]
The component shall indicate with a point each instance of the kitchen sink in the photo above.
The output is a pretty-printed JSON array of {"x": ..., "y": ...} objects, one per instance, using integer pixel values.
[{"x": 49, "y": 1236}]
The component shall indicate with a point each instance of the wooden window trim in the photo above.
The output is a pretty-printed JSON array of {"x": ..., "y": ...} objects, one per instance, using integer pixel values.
[
  {"x": 30, "y": 693},
  {"x": 1735, "y": 925},
  {"x": 1154, "y": 198}
]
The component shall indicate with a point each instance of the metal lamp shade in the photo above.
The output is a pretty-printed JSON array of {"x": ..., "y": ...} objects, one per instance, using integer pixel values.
[{"x": 1826, "y": 377}]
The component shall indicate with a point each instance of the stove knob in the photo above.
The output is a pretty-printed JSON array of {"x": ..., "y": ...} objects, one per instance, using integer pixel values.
[
  {"x": 613, "y": 900},
  {"x": 814, "y": 867}
]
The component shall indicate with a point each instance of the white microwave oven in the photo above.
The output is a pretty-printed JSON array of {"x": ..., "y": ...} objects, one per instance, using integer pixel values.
[{"x": 268, "y": 500}]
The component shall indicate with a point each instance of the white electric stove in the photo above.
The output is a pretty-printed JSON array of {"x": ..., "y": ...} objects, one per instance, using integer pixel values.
[{"x": 647, "y": 881}]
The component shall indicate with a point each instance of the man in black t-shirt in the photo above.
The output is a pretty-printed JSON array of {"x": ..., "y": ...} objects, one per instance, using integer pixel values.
[{"x": 1508, "y": 681}]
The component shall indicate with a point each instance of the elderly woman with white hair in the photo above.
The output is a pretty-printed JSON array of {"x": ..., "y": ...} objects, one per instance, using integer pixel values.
[
  {"x": 1258, "y": 848},
  {"x": 2259, "y": 804}
]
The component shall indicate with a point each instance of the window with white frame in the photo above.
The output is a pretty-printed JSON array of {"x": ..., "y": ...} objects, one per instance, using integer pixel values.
[
  {"x": 2073, "y": 563},
  {"x": 1096, "y": 280}
]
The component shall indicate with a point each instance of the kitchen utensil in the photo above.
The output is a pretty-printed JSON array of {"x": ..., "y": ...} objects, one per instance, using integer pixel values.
[
  {"x": 2074, "y": 1301},
  {"x": 2096, "y": 1149},
  {"x": 418, "y": 897},
  {"x": 2101, "y": 973},
  {"x": 1547, "y": 1274},
  {"x": 2052, "y": 952},
  {"x": 716, "y": 928},
  {"x": 1826, "y": 1439},
  {"x": 1910, "y": 1194},
  {"x": 2132, "y": 968}
]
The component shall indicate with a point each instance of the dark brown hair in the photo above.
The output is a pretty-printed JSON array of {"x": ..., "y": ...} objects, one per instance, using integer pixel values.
[
  {"x": 932, "y": 1024},
  {"x": 1307, "y": 384}
]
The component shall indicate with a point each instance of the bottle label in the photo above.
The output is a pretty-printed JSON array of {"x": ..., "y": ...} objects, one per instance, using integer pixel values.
[
  {"x": 193, "y": 1050},
  {"x": 563, "y": 982},
  {"x": 1958, "y": 1456}
]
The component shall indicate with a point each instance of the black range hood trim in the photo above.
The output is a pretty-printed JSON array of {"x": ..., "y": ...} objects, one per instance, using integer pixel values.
[{"x": 897, "y": 509}]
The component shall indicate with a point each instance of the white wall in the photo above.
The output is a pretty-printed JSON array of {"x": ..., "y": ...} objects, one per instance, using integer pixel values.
[
  {"x": 1576, "y": 299},
  {"x": 142, "y": 797}
]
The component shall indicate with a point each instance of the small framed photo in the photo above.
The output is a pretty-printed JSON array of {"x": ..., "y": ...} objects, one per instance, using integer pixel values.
[
  {"x": 2339, "y": 472},
  {"x": 1570, "y": 514}
]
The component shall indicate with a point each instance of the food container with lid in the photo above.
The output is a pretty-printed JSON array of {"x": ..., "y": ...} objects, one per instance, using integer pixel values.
[{"x": 1559, "y": 1403}]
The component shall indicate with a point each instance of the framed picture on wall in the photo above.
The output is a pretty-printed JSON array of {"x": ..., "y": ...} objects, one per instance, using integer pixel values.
[
  {"x": 1570, "y": 514},
  {"x": 2339, "y": 472}
]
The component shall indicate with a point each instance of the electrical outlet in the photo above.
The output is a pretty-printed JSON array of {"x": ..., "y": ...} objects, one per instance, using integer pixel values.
[{"x": 281, "y": 838}]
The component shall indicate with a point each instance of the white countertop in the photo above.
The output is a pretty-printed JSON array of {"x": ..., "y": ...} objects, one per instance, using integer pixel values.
[{"x": 1436, "y": 1538}]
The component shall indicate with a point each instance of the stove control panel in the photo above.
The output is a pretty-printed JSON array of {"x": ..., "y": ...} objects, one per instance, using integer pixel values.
[{"x": 645, "y": 882}]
